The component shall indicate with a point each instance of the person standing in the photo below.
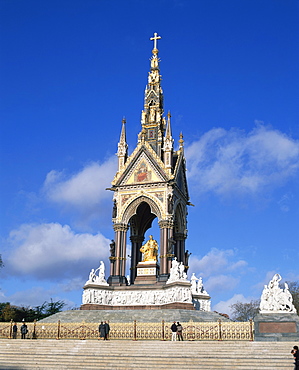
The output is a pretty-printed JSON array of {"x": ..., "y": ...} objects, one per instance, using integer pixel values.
[
  {"x": 107, "y": 329},
  {"x": 174, "y": 330},
  {"x": 179, "y": 331},
  {"x": 24, "y": 331},
  {"x": 14, "y": 331},
  {"x": 295, "y": 353},
  {"x": 102, "y": 330}
]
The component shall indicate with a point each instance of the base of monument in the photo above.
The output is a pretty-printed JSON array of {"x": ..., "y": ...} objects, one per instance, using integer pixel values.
[
  {"x": 117, "y": 280},
  {"x": 163, "y": 278},
  {"x": 176, "y": 305},
  {"x": 276, "y": 327}
]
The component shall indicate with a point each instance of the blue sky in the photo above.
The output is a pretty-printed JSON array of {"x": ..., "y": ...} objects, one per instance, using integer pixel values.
[{"x": 70, "y": 71}]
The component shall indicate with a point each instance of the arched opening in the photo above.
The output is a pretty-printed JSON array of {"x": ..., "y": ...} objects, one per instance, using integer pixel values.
[{"x": 139, "y": 224}]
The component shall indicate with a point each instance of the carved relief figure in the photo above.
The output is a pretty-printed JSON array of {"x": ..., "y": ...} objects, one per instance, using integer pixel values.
[
  {"x": 171, "y": 243},
  {"x": 170, "y": 203},
  {"x": 193, "y": 283},
  {"x": 187, "y": 255},
  {"x": 112, "y": 248},
  {"x": 150, "y": 250},
  {"x": 102, "y": 270},
  {"x": 114, "y": 211}
]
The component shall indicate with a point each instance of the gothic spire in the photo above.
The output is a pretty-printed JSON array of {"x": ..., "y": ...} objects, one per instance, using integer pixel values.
[
  {"x": 122, "y": 152},
  {"x": 168, "y": 144},
  {"x": 168, "y": 128},
  {"x": 152, "y": 122}
]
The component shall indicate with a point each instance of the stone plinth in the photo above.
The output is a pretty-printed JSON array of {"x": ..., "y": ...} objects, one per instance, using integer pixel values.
[
  {"x": 146, "y": 273},
  {"x": 276, "y": 327},
  {"x": 201, "y": 302}
]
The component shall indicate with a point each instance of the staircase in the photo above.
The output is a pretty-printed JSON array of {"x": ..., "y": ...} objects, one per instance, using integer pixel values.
[{"x": 21, "y": 354}]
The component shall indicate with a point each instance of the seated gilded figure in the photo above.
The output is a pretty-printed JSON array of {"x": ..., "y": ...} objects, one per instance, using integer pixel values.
[{"x": 150, "y": 250}]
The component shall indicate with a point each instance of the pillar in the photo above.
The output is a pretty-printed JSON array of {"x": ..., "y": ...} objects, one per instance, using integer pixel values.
[
  {"x": 166, "y": 233},
  {"x": 118, "y": 263},
  {"x": 136, "y": 255}
]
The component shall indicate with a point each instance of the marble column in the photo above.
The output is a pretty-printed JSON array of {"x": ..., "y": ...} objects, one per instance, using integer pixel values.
[
  {"x": 166, "y": 233},
  {"x": 119, "y": 263}
]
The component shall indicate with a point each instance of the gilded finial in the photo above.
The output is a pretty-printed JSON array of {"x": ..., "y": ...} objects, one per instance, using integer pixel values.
[
  {"x": 155, "y": 38},
  {"x": 181, "y": 141},
  {"x": 124, "y": 120}
]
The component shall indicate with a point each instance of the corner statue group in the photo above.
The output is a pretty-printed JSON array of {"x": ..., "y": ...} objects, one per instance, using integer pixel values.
[{"x": 150, "y": 250}]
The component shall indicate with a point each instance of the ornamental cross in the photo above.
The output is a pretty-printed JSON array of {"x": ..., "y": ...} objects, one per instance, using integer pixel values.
[{"x": 155, "y": 38}]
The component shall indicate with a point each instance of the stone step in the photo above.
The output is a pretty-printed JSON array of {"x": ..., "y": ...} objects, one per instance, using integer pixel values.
[
  {"x": 78, "y": 354},
  {"x": 143, "y": 362}
]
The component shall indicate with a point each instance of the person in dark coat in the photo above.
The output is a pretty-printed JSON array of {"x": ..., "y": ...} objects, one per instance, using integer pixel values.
[
  {"x": 295, "y": 353},
  {"x": 174, "y": 330},
  {"x": 14, "y": 331},
  {"x": 179, "y": 331},
  {"x": 107, "y": 329},
  {"x": 24, "y": 331},
  {"x": 102, "y": 330}
]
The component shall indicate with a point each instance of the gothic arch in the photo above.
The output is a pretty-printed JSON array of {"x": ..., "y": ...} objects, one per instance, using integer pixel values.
[{"x": 131, "y": 210}]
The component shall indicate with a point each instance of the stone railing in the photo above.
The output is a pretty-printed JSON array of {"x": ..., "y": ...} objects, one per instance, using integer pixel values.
[{"x": 218, "y": 330}]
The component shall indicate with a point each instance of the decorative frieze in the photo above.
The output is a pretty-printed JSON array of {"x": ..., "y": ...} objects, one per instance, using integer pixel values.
[
  {"x": 102, "y": 296},
  {"x": 120, "y": 227}
]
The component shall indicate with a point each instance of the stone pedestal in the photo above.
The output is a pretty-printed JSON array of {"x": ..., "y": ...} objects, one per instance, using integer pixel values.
[
  {"x": 146, "y": 273},
  {"x": 276, "y": 327}
]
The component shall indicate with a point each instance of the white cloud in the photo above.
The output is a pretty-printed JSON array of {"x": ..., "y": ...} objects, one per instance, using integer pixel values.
[
  {"x": 224, "y": 306},
  {"x": 53, "y": 251},
  {"x": 220, "y": 283},
  {"x": 85, "y": 189},
  {"x": 73, "y": 284},
  {"x": 231, "y": 162},
  {"x": 221, "y": 270},
  {"x": 237, "y": 265},
  {"x": 35, "y": 296},
  {"x": 215, "y": 261},
  {"x": 285, "y": 202}
]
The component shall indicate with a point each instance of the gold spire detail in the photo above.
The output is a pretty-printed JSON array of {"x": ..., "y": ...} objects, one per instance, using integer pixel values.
[
  {"x": 155, "y": 39},
  {"x": 181, "y": 141}
]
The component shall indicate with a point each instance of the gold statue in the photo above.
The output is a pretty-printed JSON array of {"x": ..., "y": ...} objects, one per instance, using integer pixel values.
[{"x": 150, "y": 250}]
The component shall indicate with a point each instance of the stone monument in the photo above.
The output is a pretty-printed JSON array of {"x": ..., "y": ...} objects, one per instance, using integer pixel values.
[
  {"x": 278, "y": 319},
  {"x": 149, "y": 184}
]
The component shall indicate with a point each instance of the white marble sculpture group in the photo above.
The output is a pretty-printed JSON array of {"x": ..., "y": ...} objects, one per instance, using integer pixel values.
[
  {"x": 97, "y": 279},
  {"x": 197, "y": 285},
  {"x": 177, "y": 272},
  {"x": 275, "y": 299},
  {"x": 97, "y": 291}
]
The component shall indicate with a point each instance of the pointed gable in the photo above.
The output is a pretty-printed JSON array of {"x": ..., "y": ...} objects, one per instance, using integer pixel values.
[{"x": 143, "y": 166}]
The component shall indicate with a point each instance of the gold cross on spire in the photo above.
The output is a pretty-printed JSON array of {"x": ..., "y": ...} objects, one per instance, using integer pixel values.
[{"x": 155, "y": 38}]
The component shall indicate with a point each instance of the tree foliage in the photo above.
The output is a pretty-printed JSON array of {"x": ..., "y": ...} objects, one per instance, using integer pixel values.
[
  {"x": 294, "y": 290},
  {"x": 244, "y": 311},
  {"x": 9, "y": 312},
  {"x": 1, "y": 262}
]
